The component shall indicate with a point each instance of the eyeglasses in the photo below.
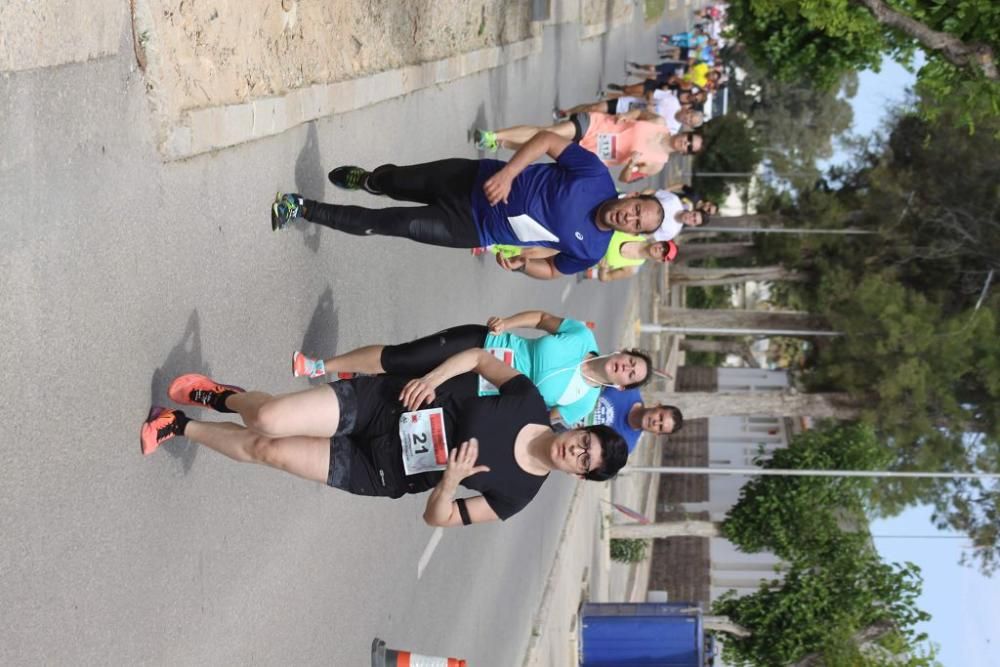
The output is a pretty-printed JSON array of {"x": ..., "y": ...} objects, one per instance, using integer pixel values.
[
  {"x": 689, "y": 144},
  {"x": 584, "y": 457}
]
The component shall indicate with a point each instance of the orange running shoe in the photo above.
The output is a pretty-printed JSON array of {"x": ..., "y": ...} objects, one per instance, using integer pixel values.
[
  {"x": 303, "y": 365},
  {"x": 161, "y": 425},
  {"x": 201, "y": 390}
]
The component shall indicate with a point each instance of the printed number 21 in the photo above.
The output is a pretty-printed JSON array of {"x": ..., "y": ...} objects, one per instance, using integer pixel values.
[{"x": 420, "y": 438}]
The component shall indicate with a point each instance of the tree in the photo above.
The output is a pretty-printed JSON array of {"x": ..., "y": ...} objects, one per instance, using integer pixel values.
[
  {"x": 723, "y": 347},
  {"x": 914, "y": 346},
  {"x": 788, "y": 403},
  {"x": 819, "y": 606},
  {"x": 686, "y": 276},
  {"x": 820, "y": 40},
  {"x": 834, "y": 588},
  {"x": 835, "y": 584},
  {"x": 692, "y": 252},
  {"x": 971, "y": 55},
  {"x": 732, "y": 318},
  {"x": 793, "y": 119},
  {"x": 729, "y": 146}
]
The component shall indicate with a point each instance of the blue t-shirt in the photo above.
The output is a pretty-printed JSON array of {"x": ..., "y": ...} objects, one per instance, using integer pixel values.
[
  {"x": 612, "y": 410},
  {"x": 550, "y": 205},
  {"x": 552, "y": 362}
]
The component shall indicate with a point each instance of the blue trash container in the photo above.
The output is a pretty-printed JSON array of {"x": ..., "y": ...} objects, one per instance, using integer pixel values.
[{"x": 641, "y": 634}]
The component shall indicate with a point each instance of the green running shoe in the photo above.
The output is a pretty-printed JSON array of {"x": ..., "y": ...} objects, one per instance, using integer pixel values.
[
  {"x": 286, "y": 208},
  {"x": 486, "y": 140},
  {"x": 352, "y": 178}
]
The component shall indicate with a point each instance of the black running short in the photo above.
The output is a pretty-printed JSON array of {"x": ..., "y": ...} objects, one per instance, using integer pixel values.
[
  {"x": 365, "y": 454},
  {"x": 423, "y": 355},
  {"x": 581, "y": 123}
]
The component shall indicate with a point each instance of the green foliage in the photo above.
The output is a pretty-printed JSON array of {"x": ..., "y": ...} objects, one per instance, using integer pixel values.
[
  {"x": 894, "y": 649},
  {"x": 730, "y": 147},
  {"x": 627, "y": 550},
  {"x": 924, "y": 361},
  {"x": 818, "y": 605},
  {"x": 821, "y": 39},
  {"x": 933, "y": 382},
  {"x": 816, "y": 40},
  {"x": 834, "y": 585},
  {"x": 801, "y": 517},
  {"x": 939, "y": 81},
  {"x": 793, "y": 123},
  {"x": 716, "y": 296}
]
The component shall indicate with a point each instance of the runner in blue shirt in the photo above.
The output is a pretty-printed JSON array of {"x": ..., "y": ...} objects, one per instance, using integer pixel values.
[
  {"x": 624, "y": 411},
  {"x": 568, "y": 209}
]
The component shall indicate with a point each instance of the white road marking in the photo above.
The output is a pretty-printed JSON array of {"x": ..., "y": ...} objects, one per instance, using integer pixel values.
[
  {"x": 429, "y": 551},
  {"x": 566, "y": 291}
]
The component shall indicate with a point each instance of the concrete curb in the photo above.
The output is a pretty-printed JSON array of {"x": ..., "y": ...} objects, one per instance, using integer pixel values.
[
  {"x": 551, "y": 581},
  {"x": 204, "y": 130}
]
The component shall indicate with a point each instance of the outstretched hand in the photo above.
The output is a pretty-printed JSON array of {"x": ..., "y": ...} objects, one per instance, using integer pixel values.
[
  {"x": 497, "y": 187},
  {"x": 462, "y": 462},
  {"x": 416, "y": 393},
  {"x": 515, "y": 263}
]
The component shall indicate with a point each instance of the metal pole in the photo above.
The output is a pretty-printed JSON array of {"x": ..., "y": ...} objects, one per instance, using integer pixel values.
[
  {"x": 772, "y": 230},
  {"x": 719, "y": 331},
  {"x": 681, "y": 470}
]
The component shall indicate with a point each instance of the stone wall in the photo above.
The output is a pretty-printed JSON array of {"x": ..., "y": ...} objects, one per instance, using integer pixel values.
[
  {"x": 682, "y": 565},
  {"x": 688, "y": 447},
  {"x": 697, "y": 378}
]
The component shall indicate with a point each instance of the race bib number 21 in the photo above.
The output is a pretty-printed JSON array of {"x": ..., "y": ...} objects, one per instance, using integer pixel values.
[{"x": 425, "y": 445}]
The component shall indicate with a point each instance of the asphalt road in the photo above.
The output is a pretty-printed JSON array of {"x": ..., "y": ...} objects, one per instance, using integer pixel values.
[{"x": 119, "y": 272}]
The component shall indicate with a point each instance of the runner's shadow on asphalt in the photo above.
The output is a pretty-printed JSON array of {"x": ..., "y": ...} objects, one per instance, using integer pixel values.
[
  {"x": 320, "y": 339},
  {"x": 609, "y": 16},
  {"x": 310, "y": 182},
  {"x": 499, "y": 83},
  {"x": 185, "y": 357},
  {"x": 480, "y": 122},
  {"x": 557, "y": 41}
]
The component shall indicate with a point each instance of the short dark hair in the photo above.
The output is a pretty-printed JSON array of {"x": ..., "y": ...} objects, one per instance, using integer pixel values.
[
  {"x": 653, "y": 198},
  {"x": 649, "y": 368},
  {"x": 675, "y": 416},
  {"x": 705, "y": 217},
  {"x": 614, "y": 453}
]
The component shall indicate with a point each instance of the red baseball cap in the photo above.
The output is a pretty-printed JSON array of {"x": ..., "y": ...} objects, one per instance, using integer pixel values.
[{"x": 671, "y": 252}]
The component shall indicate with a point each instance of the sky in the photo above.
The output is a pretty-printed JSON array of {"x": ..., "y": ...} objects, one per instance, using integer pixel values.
[
  {"x": 964, "y": 605},
  {"x": 877, "y": 92}
]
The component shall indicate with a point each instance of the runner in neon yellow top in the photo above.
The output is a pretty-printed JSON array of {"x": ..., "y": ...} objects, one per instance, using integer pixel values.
[{"x": 626, "y": 253}]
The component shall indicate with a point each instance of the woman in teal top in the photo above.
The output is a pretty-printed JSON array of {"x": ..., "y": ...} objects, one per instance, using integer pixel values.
[{"x": 565, "y": 364}]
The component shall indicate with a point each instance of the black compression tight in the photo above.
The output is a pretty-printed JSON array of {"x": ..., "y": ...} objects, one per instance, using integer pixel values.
[
  {"x": 424, "y": 354},
  {"x": 443, "y": 187}
]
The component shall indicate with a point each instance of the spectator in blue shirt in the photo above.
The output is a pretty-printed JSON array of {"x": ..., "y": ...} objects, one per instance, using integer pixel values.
[
  {"x": 566, "y": 211},
  {"x": 624, "y": 411}
]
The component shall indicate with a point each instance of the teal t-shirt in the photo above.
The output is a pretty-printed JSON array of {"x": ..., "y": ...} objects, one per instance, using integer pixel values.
[{"x": 552, "y": 363}]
